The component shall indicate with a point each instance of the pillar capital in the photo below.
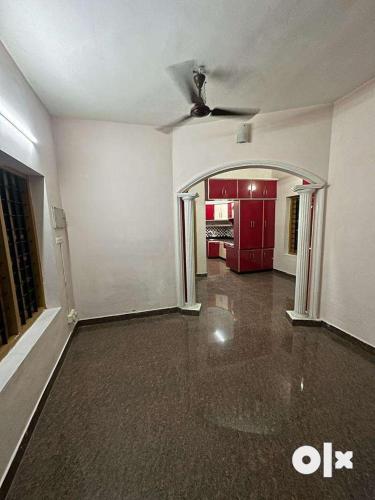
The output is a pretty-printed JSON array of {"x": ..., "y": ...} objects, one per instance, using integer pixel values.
[
  {"x": 307, "y": 188},
  {"x": 188, "y": 196}
]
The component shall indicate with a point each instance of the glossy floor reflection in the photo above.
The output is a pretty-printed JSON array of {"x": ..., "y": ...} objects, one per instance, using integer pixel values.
[{"x": 208, "y": 407}]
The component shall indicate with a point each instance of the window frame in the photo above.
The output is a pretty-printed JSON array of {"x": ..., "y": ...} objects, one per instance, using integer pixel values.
[
  {"x": 293, "y": 224},
  {"x": 16, "y": 328}
]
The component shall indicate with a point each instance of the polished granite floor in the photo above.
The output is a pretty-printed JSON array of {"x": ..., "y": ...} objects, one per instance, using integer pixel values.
[{"x": 209, "y": 407}]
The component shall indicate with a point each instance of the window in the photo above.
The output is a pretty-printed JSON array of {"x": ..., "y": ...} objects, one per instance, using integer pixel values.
[
  {"x": 21, "y": 291},
  {"x": 293, "y": 224}
]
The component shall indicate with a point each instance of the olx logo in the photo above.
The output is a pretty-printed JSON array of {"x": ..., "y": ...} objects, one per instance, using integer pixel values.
[{"x": 307, "y": 460}]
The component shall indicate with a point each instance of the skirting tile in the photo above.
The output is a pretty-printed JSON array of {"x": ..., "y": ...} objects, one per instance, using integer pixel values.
[{"x": 125, "y": 316}]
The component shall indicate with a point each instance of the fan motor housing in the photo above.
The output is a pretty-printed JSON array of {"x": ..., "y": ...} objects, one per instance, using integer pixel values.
[{"x": 200, "y": 110}]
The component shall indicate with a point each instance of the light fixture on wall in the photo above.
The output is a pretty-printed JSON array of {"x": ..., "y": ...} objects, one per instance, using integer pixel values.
[
  {"x": 244, "y": 133},
  {"x": 7, "y": 116}
]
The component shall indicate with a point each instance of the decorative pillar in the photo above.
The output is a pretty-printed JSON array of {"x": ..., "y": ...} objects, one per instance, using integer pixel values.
[
  {"x": 300, "y": 311},
  {"x": 317, "y": 253},
  {"x": 191, "y": 306}
]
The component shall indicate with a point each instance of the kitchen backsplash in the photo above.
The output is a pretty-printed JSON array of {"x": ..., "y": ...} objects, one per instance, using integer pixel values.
[{"x": 219, "y": 231}]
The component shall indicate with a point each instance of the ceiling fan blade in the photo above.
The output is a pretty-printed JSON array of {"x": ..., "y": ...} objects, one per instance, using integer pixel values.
[
  {"x": 182, "y": 74},
  {"x": 235, "y": 112},
  {"x": 169, "y": 127}
]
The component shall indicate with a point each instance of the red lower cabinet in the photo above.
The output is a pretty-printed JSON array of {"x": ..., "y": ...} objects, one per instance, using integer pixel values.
[
  {"x": 250, "y": 260},
  {"x": 213, "y": 249},
  {"x": 267, "y": 258},
  {"x": 231, "y": 257}
]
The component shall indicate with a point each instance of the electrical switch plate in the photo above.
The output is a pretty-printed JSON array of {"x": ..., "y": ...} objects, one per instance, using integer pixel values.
[{"x": 59, "y": 219}]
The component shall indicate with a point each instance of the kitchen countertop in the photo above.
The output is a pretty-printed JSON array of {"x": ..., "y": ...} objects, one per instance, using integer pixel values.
[{"x": 224, "y": 240}]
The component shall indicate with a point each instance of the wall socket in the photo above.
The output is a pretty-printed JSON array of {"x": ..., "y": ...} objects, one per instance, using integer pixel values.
[{"x": 72, "y": 316}]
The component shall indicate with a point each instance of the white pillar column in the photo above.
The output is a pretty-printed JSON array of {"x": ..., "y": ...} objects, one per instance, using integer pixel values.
[
  {"x": 303, "y": 251},
  {"x": 317, "y": 252},
  {"x": 190, "y": 304}
]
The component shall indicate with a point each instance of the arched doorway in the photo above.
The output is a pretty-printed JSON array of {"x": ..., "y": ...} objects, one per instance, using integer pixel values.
[{"x": 310, "y": 242}]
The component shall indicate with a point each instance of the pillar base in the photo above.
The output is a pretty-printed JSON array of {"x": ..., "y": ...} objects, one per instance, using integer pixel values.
[
  {"x": 193, "y": 310},
  {"x": 302, "y": 319}
]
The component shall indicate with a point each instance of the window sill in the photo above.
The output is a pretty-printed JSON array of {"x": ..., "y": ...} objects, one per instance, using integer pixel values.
[{"x": 14, "y": 358}]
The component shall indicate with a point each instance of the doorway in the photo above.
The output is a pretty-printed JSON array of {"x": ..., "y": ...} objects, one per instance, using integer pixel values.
[{"x": 308, "y": 259}]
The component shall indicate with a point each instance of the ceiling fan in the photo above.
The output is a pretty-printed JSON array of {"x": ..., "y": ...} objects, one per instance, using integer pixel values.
[{"x": 191, "y": 80}]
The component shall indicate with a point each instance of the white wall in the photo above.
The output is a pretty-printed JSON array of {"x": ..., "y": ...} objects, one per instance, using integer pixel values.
[
  {"x": 349, "y": 273},
  {"x": 18, "y": 398},
  {"x": 116, "y": 184},
  {"x": 300, "y": 137},
  {"x": 283, "y": 261}
]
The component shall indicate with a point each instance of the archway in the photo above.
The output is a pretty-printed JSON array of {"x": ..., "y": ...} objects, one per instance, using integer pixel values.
[{"x": 310, "y": 241}]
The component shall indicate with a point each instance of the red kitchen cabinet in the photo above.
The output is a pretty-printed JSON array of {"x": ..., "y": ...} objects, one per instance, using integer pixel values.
[
  {"x": 210, "y": 212},
  {"x": 244, "y": 188},
  {"x": 269, "y": 224},
  {"x": 213, "y": 249},
  {"x": 250, "y": 260},
  {"x": 250, "y": 224},
  {"x": 270, "y": 189},
  {"x": 267, "y": 258},
  {"x": 263, "y": 189},
  {"x": 257, "y": 188},
  {"x": 230, "y": 210},
  {"x": 254, "y": 235},
  {"x": 231, "y": 257},
  {"x": 217, "y": 189},
  {"x": 236, "y": 223},
  {"x": 222, "y": 188}
]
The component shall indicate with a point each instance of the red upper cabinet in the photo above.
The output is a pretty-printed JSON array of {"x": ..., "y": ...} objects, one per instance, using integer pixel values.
[
  {"x": 257, "y": 188},
  {"x": 250, "y": 224},
  {"x": 230, "y": 188},
  {"x": 269, "y": 224},
  {"x": 244, "y": 188},
  {"x": 263, "y": 189},
  {"x": 222, "y": 188},
  {"x": 210, "y": 212},
  {"x": 270, "y": 189},
  {"x": 217, "y": 189}
]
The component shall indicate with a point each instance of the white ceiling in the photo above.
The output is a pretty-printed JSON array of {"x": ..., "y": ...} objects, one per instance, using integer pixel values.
[{"x": 106, "y": 59}]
